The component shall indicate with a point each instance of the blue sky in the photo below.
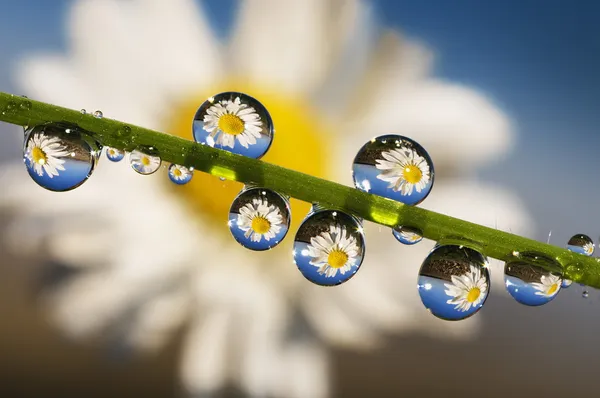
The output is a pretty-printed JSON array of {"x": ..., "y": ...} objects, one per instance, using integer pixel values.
[{"x": 539, "y": 60}]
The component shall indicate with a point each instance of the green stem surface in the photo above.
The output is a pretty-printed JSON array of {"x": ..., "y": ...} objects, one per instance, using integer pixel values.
[{"x": 438, "y": 227}]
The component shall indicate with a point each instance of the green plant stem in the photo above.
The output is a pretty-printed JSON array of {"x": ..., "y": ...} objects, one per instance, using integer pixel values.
[{"x": 438, "y": 227}]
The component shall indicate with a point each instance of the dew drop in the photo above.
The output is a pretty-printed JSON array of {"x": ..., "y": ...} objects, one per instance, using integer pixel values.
[
  {"x": 25, "y": 105},
  {"x": 529, "y": 283},
  {"x": 259, "y": 218},
  {"x": 180, "y": 175},
  {"x": 144, "y": 163},
  {"x": 454, "y": 282},
  {"x": 585, "y": 294},
  {"x": 234, "y": 122},
  {"x": 394, "y": 167},
  {"x": 566, "y": 283},
  {"x": 83, "y": 111},
  {"x": 328, "y": 249},
  {"x": 222, "y": 178},
  {"x": 124, "y": 132},
  {"x": 114, "y": 155},
  {"x": 56, "y": 160},
  {"x": 581, "y": 244},
  {"x": 98, "y": 115},
  {"x": 407, "y": 235}
]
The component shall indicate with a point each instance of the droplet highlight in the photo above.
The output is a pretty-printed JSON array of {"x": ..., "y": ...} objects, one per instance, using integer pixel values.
[
  {"x": 529, "y": 283},
  {"x": 454, "y": 282},
  {"x": 581, "y": 244},
  {"x": 234, "y": 122},
  {"x": 259, "y": 218},
  {"x": 114, "y": 155},
  {"x": 180, "y": 175},
  {"x": 394, "y": 167},
  {"x": 407, "y": 235},
  {"x": 144, "y": 163},
  {"x": 57, "y": 160},
  {"x": 329, "y": 247},
  {"x": 566, "y": 283}
]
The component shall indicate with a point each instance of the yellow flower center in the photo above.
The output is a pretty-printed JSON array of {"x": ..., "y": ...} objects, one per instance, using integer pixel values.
[
  {"x": 177, "y": 173},
  {"x": 412, "y": 174},
  {"x": 145, "y": 161},
  {"x": 39, "y": 156},
  {"x": 552, "y": 289},
  {"x": 300, "y": 142},
  {"x": 231, "y": 124},
  {"x": 473, "y": 295},
  {"x": 337, "y": 258},
  {"x": 260, "y": 225},
  {"x": 111, "y": 152}
]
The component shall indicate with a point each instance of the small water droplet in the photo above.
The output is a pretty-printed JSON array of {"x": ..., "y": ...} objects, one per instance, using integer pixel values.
[
  {"x": 124, "y": 132},
  {"x": 222, "y": 178},
  {"x": 83, "y": 111},
  {"x": 566, "y": 283},
  {"x": 529, "y": 283},
  {"x": 56, "y": 160},
  {"x": 98, "y": 115},
  {"x": 11, "y": 105},
  {"x": 248, "y": 131},
  {"x": 25, "y": 105},
  {"x": 114, "y": 155},
  {"x": 581, "y": 244},
  {"x": 259, "y": 218},
  {"x": 585, "y": 294},
  {"x": 328, "y": 249},
  {"x": 144, "y": 163},
  {"x": 453, "y": 282},
  {"x": 403, "y": 173},
  {"x": 180, "y": 175},
  {"x": 407, "y": 235}
]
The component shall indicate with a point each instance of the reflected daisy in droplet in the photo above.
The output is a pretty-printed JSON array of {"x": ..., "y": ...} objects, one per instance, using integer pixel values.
[
  {"x": 144, "y": 163},
  {"x": 467, "y": 290},
  {"x": 404, "y": 169},
  {"x": 114, "y": 154},
  {"x": 180, "y": 174},
  {"x": 333, "y": 251},
  {"x": 260, "y": 220},
  {"x": 44, "y": 155},
  {"x": 549, "y": 286}
]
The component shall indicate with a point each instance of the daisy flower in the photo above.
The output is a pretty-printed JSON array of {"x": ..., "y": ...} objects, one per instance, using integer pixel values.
[
  {"x": 404, "y": 169},
  {"x": 467, "y": 290},
  {"x": 332, "y": 251},
  {"x": 179, "y": 173},
  {"x": 143, "y": 163},
  {"x": 259, "y": 220},
  {"x": 239, "y": 312},
  {"x": 231, "y": 120},
  {"x": 549, "y": 286},
  {"x": 588, "y": 248},
  {"x": 44, "y": 154}
]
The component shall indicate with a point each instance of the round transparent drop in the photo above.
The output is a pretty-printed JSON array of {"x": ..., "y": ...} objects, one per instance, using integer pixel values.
[
  {"x": 59, "y": 157},
  {"x": 180, "y": 175},
  {"x": 454, "y": 282},
  {"x": 234, "y": 122},
  {"x": 394, "y": 167},
  {"x": 329, "y": 247},
  {"x": 581, "y": 244},
  {"x": 407, "y": 235},
  {"x": 259, "y": 218},
  {"x": 143, "y": 163},
  {"x": 529, "y": 283},
  {"x": 566, "y": 283},
  {"x": 114, "y": 155}
]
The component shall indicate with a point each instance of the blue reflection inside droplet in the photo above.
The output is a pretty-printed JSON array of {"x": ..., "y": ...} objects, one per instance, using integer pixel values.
[
  {"x": 525, "y": 293},
  {"x": 566, "y": 283},
  {"x": 530, "y": 284},
  {"x": 75, "y": 174},
  {"x": 180, "y": 175},
  {"x": 114, "y": 155},
  {"x": 407, "y": 236}
]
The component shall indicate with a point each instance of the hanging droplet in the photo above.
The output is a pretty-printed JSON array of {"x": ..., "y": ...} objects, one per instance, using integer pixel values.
[
  {"x": 585, "y": 294},
  {"x": 407, "y": 235},
  {"x": 259, "y": 218},
  {"x": 394, "y": 167},
  {"x": 98, "y": 115},
  {"x": 454, "y": 282},
  {"x": 222, "y": 178},
  {"x": 581, "y": 244},
  {"x": 57, "y": 160},
  {"x": 143, "y": 163},
  {"x": 528, "y": 282},
  {"x": 114, "y": 155},
  {"x": 236, "y": 123},
  {"x": 180, "y": 174},
  {"x": 329, "y": 247},
  {"x": 566, "y": 283}
]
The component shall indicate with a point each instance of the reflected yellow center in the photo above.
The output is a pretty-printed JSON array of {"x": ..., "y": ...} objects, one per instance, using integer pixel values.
[
  {"x": 473, "y": 295},
  {"x": 177, "y": 173},
  {"x": 231, "y": 124},
  {"x": 146, "y": 161},
  {"x": 337, "y": 258},
  {"x": 412, "y": 174},
  {"x": 39, "y": 156},
  {"x": 552, "y": 289},
  {"x": 260, "y": 225}
]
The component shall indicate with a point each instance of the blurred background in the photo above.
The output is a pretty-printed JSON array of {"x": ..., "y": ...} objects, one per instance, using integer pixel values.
[{"x": 130, "y": 286}]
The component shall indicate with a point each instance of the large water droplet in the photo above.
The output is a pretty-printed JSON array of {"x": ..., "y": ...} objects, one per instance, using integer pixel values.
[
  {"x": 57, "y": 160},
  {"x": 528, "y": 282},
  {"x": 329, "y": 247},
  {"x": 259, "y": 218},
  {"x": 144, "y": 163},
  {"x": 581, "y": 244},
  {"x": 407, "y": 235},
  {"x": 236, "y": 123},
  {"x": 114, "y": 155},
  {"x": 454, "y": 282},
  {"x": 394, "y": 167},
  {"x": 180, "y": 174}
]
